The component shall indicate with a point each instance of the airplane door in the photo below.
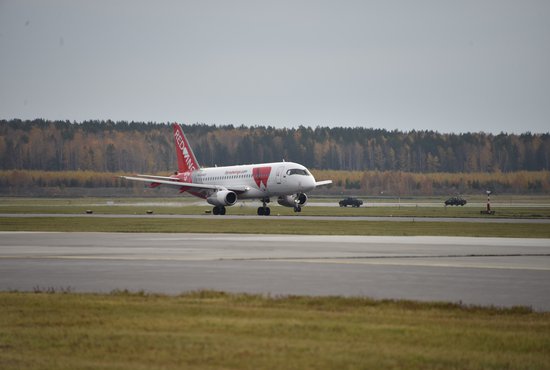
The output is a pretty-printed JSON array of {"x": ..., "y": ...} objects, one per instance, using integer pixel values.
[{"x": 279, "y": 174}]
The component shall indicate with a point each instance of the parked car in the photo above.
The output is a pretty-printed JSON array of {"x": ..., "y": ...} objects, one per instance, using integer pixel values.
[
  {"x": 350, "y": 201},
  {"x": 455, "y": 201}
]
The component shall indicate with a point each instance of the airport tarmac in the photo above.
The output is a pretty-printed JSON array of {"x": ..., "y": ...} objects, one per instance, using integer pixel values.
[
  {"x": 297, "y": 218},
  {"x": 483, "y": 271}
]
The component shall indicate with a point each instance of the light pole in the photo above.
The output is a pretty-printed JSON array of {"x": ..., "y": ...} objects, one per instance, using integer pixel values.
[{"x": 488, "y": 210}]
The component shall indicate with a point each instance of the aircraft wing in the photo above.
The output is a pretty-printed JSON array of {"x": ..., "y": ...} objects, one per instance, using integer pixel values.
[
  {"x": 238, "y": 188},
  {"x": 321, "y": 183},
  {"x": 158, "y": 177},
  {"x": 150, "y": 179},
  {"x": 156, "y": 180}
]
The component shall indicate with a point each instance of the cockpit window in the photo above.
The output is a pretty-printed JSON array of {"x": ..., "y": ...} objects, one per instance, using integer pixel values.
[{"x": 297, "y": 171}]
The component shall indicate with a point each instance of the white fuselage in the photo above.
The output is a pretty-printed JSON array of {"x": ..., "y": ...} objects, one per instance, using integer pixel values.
[{"x": 258, "y": 180}]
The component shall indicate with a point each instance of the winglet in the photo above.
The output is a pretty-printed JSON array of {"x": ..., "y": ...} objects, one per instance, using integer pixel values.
[{"x": 186, "y": 158}]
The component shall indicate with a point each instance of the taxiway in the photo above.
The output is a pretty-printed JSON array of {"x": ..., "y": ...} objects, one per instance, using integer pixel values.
[
  {"x": 484, "y": 271},
  {"x": 299, "y": 218}
]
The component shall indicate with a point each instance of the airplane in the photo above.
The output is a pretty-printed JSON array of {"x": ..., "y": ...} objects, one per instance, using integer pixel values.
[{"x": 223, "y": 186}]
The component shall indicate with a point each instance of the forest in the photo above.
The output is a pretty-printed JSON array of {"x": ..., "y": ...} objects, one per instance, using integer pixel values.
[
  {"x": 107, "y": 146},
  {"x": 415, "y": 162}
]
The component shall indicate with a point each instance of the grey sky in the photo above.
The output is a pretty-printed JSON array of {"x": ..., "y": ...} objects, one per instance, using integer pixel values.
[{"x": 450, "y": 66}]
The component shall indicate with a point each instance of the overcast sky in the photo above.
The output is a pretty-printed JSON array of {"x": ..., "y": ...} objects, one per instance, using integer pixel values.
[{"x": 450, "y": 66}]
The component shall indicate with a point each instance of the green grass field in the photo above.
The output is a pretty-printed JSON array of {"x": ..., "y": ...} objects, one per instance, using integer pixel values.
[
  {"x": 272, "y": 226},
  {"x": 209, "y": 330}
]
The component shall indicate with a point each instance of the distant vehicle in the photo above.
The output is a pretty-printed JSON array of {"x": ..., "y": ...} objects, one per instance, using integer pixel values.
[
  {"x": 350, "y": 201},
  {"x": 455, "y": 201}
]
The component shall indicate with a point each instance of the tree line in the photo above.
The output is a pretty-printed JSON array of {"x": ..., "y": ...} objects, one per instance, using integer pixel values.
[{"x": 107, "y": 146}]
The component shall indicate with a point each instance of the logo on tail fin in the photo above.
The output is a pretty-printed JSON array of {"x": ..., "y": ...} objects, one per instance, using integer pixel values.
[{"x": 186, "y": 158}]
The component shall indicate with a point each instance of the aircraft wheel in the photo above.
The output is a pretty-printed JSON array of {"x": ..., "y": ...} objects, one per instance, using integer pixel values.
[
  {"x": 216, "y": 210},
  {"x": 222, "y": 210},
  {"x": 297, "y": 209},
  {"x": 260, "y": 211},
  {"x": 267, "y": 211}
]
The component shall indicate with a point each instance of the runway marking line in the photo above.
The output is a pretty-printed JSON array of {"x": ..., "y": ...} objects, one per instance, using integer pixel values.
[{"x": 351, "y": 260}]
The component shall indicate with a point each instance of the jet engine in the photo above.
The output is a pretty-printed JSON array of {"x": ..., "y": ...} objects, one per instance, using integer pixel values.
[
  {"x": 222, "y": 198},
  {"x": 292, "y": 200}
]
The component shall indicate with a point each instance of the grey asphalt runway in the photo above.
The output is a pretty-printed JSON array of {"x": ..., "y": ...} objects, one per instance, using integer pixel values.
[
  {"x": 484, "y": 271},
  {"x": 487, "y": 220}
]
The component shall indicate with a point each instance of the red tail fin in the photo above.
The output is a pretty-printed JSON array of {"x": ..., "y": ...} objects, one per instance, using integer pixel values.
[{"x": 186, "y": 158}]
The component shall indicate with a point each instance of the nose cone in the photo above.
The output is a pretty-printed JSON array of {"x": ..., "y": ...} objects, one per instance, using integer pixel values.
[{"x": 308, "y": 183}]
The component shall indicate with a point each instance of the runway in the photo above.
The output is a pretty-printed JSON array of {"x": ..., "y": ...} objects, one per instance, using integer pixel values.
[
  {"x": 486, "y": 220},
  {"x": 484, "y": 271}
]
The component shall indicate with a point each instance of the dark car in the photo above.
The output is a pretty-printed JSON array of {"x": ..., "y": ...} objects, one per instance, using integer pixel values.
[
  {"x": 455, "y": 201},
  {"x": 350, "y": 201}
]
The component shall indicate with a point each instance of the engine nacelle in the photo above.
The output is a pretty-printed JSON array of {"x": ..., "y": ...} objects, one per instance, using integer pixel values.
[
  {"x": 292, "y": 200},
  {"x": 222, "y": 198},
  {"x": 301, "y": 198}
]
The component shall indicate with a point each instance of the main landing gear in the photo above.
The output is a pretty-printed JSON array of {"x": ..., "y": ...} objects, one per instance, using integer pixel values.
[
  {"x": 264, "y": 210},
  {"x": 219, "y": 210},
  {"x": 297, "y": 208}
]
